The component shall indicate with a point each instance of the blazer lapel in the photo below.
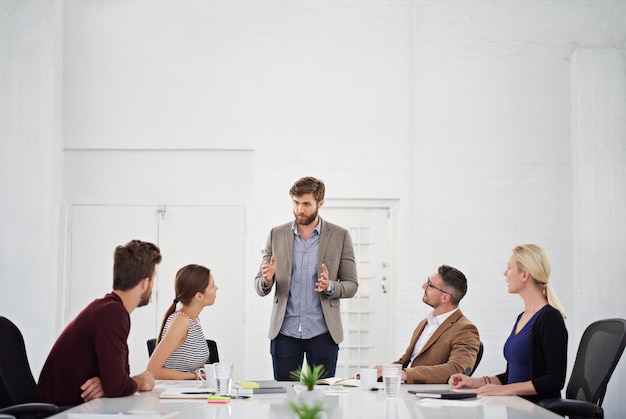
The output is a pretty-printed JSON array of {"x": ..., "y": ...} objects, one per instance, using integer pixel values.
[
  {"x": 289, "y": 245},
  {"x": 324, "y": 240},
  {"x": 441, "y": 329}
]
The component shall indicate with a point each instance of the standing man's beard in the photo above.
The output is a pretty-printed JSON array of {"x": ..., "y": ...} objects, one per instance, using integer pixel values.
[{"x": 306, "y": 221}]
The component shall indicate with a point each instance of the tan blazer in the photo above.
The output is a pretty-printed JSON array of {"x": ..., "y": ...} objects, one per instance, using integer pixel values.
[
  {"x": 451, "y": 349},
  {"x": 335, "y": 250}
]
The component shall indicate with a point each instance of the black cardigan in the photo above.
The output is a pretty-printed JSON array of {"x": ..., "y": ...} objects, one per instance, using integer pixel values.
[{"x": 548, "y": 355}]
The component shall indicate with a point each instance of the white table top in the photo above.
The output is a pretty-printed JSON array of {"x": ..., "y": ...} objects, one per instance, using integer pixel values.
[{"x": 351, "y": 403}]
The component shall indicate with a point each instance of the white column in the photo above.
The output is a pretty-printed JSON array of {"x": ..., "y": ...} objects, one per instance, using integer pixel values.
[{"x": 598, "y": 82}]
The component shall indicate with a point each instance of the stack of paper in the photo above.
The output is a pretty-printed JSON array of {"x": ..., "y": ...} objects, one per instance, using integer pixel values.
[{"x": 257, "y": 387}]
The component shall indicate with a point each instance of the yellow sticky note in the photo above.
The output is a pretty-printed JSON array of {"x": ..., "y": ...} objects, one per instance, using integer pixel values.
[
  {"x": 219, "y": 399},
  {"x": 248, "y": 384}
]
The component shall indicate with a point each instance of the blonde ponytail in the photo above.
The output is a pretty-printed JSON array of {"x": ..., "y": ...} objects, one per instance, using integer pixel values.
[{"x": 553, "y": 300}]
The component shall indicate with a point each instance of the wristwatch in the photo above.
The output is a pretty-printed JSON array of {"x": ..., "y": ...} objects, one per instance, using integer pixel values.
[{"x": 330, "y": 286}]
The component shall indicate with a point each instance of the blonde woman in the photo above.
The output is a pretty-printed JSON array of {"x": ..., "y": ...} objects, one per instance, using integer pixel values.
[
  {"x": 181, "y": 346},
  {"x": 536, "y": 350}
]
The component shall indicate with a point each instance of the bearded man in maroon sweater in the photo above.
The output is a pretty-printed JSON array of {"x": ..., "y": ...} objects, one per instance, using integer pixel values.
[{"x": 90, "y": 358}]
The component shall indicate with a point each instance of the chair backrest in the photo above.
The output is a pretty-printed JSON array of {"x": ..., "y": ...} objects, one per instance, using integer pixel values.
[
  {"x": 600, "y": 349},
  {"x": 479, "y": 356},
  {"x": 151, "y": 345},
  {"x": 17, "y": 384},
  {"x": 213, "y": 354}
]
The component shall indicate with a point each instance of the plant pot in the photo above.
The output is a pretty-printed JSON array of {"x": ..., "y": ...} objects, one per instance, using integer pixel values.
[{"x": 310, "y": 398}]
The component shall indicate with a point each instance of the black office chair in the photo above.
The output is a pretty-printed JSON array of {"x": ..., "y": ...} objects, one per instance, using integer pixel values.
[
  {"x": 479, "y": 356},
  {"x": 213, "y": 354},
  {"x": 600, "y": 349},
  {"x": 17, "y": 385}
]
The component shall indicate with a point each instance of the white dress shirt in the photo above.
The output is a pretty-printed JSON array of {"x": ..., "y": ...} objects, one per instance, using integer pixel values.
[{"x": 429, "y": 330}]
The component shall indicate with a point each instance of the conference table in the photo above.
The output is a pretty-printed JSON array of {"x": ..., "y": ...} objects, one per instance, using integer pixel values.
[{"x": 339, "y": 403}]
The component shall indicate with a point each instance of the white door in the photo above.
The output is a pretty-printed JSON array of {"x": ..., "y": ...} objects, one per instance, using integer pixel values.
[
  {"x": 210, "y": 236},
  {"x": 213, "y": 237},
  {"x": 365, "y": 316}
]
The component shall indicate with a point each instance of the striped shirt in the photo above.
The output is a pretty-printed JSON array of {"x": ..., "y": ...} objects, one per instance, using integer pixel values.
[{"x": 193, "y": 353}]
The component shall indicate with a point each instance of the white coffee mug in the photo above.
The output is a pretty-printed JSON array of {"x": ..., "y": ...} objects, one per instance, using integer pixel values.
[
  {"x": 368, "y": 377},
  {"x": 207, "y": 375}
]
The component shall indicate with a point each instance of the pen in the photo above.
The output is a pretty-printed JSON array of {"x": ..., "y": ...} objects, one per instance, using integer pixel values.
[{"x": 198, "y": 392}]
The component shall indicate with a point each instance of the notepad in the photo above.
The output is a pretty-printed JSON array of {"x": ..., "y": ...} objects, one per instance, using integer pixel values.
[
  {"x": 218, "y": 400},
  {"x": 444, "y": 394},
  {"x": 248, "y": 384}
]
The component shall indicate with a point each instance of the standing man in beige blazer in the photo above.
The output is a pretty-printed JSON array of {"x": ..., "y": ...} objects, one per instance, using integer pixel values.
[
  {"x": 445, "y": 342},
  {"x": 311, "y": 264}
]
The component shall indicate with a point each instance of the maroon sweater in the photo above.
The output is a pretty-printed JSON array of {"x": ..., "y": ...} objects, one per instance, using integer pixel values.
[{"x": 93, "y": 345}]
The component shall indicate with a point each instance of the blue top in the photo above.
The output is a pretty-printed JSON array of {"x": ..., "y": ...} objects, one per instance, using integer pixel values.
[
  {"x": 517, "y": 351},
  {"x": 547, "y": 354},
  {"x": 303, "y": 317}
]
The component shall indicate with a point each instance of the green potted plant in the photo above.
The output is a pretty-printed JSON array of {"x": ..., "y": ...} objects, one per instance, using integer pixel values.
[
  {"x": 308, "y": 376},
  {"x": 311, "y": 401}
]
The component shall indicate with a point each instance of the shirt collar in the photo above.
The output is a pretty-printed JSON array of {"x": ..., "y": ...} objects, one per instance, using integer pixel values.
[
  {"x": 318, "y": 227},
  {"x": 437, "y": 320}
]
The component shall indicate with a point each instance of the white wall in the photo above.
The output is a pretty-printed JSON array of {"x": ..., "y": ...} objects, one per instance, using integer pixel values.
[
  {"x": 321, "y": 89},
  {"x": 460, "y": 111},
  {"x": 30, "y": 168}
]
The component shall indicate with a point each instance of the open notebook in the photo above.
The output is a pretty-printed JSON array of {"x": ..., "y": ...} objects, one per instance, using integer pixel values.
[{"x": 338, "y": 381}]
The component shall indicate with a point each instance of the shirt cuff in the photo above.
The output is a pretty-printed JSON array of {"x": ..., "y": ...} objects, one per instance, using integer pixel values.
[
  {"x": 331, "y": 285},
  {"x": 269, "y": 287}
]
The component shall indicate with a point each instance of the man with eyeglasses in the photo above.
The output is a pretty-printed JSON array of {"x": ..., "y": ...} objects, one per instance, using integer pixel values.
[{"x": 445, "y": 342}]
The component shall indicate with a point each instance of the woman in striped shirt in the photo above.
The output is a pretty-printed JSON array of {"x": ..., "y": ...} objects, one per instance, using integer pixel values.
[{"x": 181, "y": 346}]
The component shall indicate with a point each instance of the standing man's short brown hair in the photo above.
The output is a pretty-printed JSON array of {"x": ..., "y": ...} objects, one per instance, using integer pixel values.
[{"x": 308, "y": 184}]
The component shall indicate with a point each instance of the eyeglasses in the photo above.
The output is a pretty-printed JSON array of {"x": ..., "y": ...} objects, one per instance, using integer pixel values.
[{"x": 430, "y": 285}]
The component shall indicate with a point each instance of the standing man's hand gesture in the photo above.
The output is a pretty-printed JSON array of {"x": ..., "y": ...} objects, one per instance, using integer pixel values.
[
  {"x": 323, "y": 282},
  {"x": 268, "y": 270}
]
